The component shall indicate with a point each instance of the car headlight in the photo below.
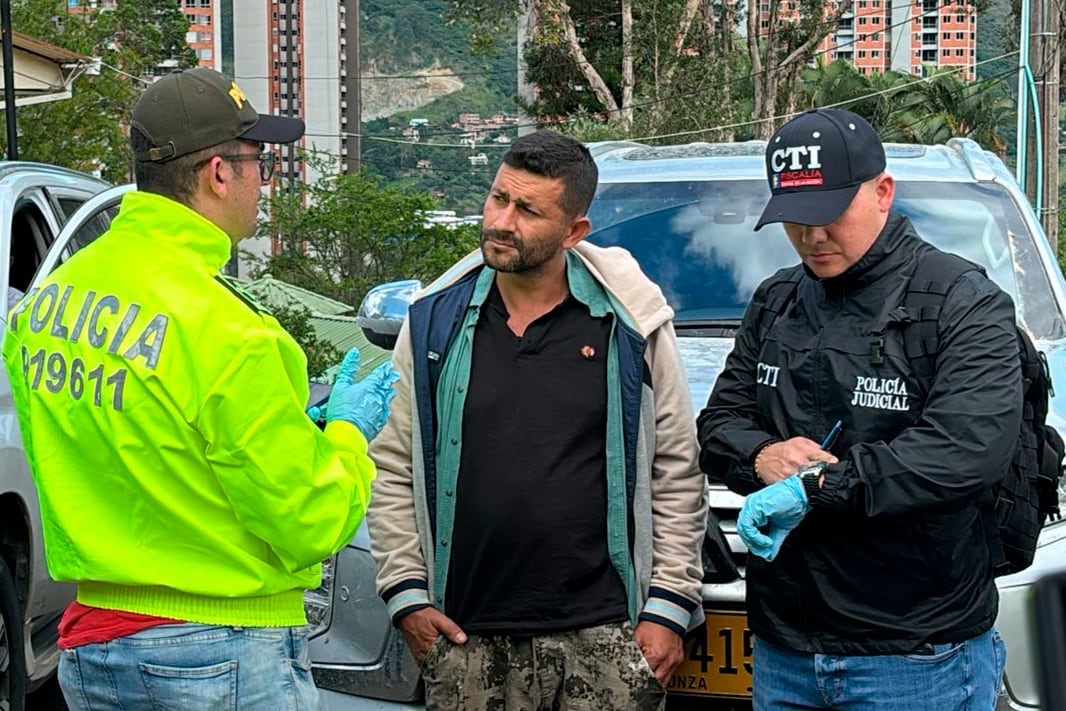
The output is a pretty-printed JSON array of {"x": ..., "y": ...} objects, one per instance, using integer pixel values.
[{"x": 318, "y": 603}]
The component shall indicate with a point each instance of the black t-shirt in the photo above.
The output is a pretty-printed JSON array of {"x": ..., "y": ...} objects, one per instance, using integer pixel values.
[{"x": 529, "y": 548}]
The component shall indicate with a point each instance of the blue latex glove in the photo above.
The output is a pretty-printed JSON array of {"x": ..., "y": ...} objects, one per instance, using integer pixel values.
[
  {"x": 779, "y": 508},
  {"x": 364, "y": 403}
]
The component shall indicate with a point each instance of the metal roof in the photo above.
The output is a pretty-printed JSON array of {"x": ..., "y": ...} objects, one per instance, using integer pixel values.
[
  {"x": 44, "y": 72},
  {"x": 329, "y": 319},
  {"x": 344, "y": 334},
  {"x": 277, "y": 294},
  {"x": 41, "y": 48}
]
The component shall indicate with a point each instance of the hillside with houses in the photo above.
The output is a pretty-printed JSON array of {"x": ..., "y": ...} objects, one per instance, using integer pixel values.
[{"x": 445, "y": 141}]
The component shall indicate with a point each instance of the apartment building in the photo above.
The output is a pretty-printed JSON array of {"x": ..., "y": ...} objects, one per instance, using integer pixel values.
[
  {"x": 201, "y": 35},
  {"x": 911, "y": 36},
  {"x": 935, "y": 33},
  {"x": 291, "y": 57}
]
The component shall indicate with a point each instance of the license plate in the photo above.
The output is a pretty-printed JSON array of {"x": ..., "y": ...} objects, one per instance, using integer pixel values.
[{"x": 717, "y": 663}]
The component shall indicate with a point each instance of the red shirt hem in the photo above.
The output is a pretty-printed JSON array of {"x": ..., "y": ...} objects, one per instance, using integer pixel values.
[{"x": 82, "y": 624}]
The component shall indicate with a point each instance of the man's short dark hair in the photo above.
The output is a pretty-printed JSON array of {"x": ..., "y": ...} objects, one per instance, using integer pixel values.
[
  {"x": 175, "y": 179},
  {"x": 554, "y": 155}
]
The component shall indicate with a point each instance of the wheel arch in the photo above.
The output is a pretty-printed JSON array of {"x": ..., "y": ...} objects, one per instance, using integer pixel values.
[{"x": 15, "y": 542}]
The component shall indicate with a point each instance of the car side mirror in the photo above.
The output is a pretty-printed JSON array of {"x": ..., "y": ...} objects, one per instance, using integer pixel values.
[{"x": 384, "y": 309}]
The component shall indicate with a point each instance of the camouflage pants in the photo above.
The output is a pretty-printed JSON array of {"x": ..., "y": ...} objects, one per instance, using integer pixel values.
[{"x": 595, "y": 669}]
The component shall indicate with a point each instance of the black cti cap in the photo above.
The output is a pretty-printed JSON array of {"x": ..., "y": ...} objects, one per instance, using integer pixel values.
[
  {"x": 816, "y": 163},
  {"x": 187, "y": 111}
]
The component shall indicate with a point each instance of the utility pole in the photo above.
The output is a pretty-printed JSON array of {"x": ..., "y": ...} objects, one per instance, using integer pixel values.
[
  {"x": 526, "y": 91},
  {"x": 1043, "y": 32},
  {"x": 1047, "y": 88},
  {"x": 9, "y": 82}
]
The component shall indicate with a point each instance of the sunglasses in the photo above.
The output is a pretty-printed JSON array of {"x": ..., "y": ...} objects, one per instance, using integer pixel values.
[{"x": 268, "y": 162}]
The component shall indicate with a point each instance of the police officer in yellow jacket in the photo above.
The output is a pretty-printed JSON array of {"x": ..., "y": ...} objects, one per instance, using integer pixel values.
[{"x": 182, "y": 486}]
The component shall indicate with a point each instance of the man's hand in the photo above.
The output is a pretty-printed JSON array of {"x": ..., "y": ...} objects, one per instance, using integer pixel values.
[
  {"x": 364, "y": 403},
  {"x": 422, "y": 627},
  {"x": 781, "y": 460},
  {"x": 661, "y": 646},
  {"x": 779, "y": 508}
]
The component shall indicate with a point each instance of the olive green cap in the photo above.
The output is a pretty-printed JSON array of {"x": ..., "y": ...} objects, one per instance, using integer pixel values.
[{"x": 187, "y": 111}]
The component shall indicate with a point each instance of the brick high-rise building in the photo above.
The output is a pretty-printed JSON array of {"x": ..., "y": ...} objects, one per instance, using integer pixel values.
[
  {"x": 201, "y": 35},
  {"x": 932, "y": 33},
  {"x": 901, "y": 35}
]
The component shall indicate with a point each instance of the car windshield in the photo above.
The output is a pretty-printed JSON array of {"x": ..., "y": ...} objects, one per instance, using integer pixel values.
[{"x": 696, "y": 240}]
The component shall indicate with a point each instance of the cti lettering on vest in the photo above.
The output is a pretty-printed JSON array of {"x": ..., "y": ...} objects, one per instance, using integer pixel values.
[
  {"x": 880, "y": 394},
  {"x": 767, "y": 374},
  {"x": 94, "y": 318}
]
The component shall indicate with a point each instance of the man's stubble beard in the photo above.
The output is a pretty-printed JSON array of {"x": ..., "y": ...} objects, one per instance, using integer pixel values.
[{"x": 525, "y": 259}]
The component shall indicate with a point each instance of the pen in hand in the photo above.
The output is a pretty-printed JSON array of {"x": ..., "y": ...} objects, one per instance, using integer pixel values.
[{"x": 832, "y": 436}]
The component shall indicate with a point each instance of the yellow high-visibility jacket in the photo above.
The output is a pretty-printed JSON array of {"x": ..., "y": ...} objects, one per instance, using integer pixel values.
[{"x": 163, "y": 418}]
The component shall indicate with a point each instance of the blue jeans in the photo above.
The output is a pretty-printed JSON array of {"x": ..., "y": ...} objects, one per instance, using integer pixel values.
[
  {"x": 964, "y": 676},
  {"x": 189, "y": 667}
]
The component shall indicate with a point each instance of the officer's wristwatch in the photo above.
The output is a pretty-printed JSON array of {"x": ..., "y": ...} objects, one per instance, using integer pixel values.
[{"x": 810, "y": 475}]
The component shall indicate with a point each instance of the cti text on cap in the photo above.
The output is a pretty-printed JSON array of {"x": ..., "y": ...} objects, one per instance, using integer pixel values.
[{"x": 815, "y": 165}]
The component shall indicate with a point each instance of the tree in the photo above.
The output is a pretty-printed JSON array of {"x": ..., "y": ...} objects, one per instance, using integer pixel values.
[
  {"x": 828, "y": 84},
  {"x": 907, "y": 109},
  {"x": 342, "y": 234},
  {"x": 885, "y": 100},
  {"x": 945, "y": 106},
  {"x": 87, "y": 132},
  {"x": 588, "y": 128},
  {"x": 321, "y": 355},
  {"x": 1062, "y": 231},
  {"x": 642, "y": 65},
  {"x": 780, "y": 50}
]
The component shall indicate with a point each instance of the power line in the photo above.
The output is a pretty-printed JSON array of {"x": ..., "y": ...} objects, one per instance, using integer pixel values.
[
  {"x": 828, "y": 23},
  {"x": 828, "y": 106},
  {"x": 742, "y": 124},
  {"x": 982, "y": 87},
  {"x": 573, "y": 61},
  {"x": 413, "y": 75},
  {"x": 857, "y": 37},
  {"x": 813, "y": 56},
  {"x": 986, "y": 83},
  {"x": 985, "y": 86},
  {"x": 144, "y": 81}
]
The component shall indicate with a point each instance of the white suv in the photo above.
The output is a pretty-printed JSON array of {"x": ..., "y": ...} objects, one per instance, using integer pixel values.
[
  {"x": 687, "y": 213},
  {"x": 36, "y": 201}
]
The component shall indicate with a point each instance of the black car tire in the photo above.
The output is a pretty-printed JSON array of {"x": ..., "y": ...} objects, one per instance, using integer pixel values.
[{"x": 12, "y": 653}]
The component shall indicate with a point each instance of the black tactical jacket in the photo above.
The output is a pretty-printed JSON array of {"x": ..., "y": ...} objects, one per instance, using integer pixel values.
[{"x": 893, "y": 553}]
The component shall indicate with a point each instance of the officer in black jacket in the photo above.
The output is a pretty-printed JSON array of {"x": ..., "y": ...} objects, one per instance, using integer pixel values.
[{"x": 870, "y": 585}]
